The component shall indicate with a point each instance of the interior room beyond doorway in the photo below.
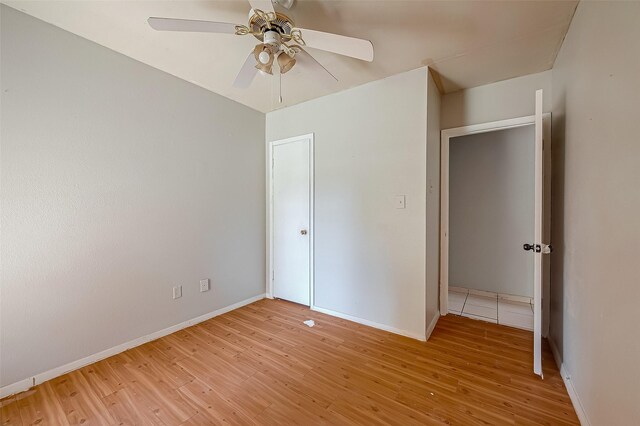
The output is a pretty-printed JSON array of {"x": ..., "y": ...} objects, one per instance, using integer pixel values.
[{"x": 491, "y": 215}]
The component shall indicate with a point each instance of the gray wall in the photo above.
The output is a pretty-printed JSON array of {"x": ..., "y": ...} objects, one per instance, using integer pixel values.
[
  {"x": 433, "y": 201},
  {"x": 370, "y": 145},
  {"x": 491, "y": 211},
  {"x": 596, "y": 210},
  {"x": 118, "y": 182},
  {"x": 497, "y": 101}
]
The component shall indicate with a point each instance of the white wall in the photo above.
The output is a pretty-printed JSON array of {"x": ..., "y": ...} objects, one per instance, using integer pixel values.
[
  {"x": 118, "y": 182},
  {"x": 491, "y": 211},
  {"x": 498, "y": 101},
  {"x": 596, "y": 210},
  {"x": 370, "y": 145},
  {"x": 433, "y": 202}
]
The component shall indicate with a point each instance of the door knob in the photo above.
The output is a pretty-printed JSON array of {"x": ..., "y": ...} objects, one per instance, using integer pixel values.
[
  {"x": 538, "y": 248},
  {"x": 303, "y": 232}
]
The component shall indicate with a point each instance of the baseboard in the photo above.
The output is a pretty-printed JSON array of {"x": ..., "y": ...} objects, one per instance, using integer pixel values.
[
  {"x": 369, "y": 323},
  {"x": 566, "y": 378},
  {"x": 28, "y": 383},
  {"x": 432, "y": 325}
]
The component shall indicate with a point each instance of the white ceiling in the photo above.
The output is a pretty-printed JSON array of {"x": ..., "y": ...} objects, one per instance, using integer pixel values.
[{"x": 468, "y": 43}]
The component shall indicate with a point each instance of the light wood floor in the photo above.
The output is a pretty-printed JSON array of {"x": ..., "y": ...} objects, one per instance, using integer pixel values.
[{"x": 261, "y": 365}]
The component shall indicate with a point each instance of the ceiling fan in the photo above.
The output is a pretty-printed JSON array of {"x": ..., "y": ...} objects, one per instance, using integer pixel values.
[{"x": 281, "y": 41}]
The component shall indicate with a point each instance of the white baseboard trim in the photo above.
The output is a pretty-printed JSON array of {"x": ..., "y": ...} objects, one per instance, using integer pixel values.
[
  {"x": 432, "y": 325},
  {"x": 28, "y": 383},
  {"x": 369, "y": 323},
  {"x": 566, "y": 378}
]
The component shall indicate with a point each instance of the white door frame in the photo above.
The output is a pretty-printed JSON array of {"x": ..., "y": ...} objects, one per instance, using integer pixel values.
[
  {"x": 270, "y": 145},
  {"x": 444, "y": 200}
]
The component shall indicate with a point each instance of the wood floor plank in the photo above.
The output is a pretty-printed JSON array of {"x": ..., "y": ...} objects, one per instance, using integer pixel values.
[
  {"x": 40, "y": 406},
  {"x": 10, "y": 412},
  {"x": 448, "y": 407},
  {"x": 157, "y": 395},
  {"x": 79, "y": 401},
  {"x": 261, "y": 365},
  {"x": 101, "y": 378},
  {"x": 124, "y": 408},
  {"x": 213, "y": 406}
]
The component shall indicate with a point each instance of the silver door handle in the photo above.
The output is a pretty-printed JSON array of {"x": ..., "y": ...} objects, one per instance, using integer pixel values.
[
  {"x": 303, "y": 232},
  {"x": 539, "y": 248}
]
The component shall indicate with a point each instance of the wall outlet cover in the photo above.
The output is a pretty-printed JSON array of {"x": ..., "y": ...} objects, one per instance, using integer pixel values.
[{"x": 204, "y": 285}]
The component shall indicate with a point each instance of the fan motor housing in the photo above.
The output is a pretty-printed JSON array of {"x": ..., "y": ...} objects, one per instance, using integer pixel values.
[
  {"x": 271, "y": 37},
  {"x": 282, "y": 25}
]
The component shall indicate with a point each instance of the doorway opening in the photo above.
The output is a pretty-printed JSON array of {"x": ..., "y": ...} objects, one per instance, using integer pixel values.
[
  {"x": 495, "y": 198},
  {"x": 491, "y": 214}
]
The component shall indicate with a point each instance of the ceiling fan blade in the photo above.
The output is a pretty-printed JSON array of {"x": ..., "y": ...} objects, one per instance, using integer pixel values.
[
  {"x": 306, "y": 60},
  {"x": 342, "y": 45},
  {"x": 190, "y": 25},
  {"x": 247, "y": 73},
  {"x": 263, "y": 5}
]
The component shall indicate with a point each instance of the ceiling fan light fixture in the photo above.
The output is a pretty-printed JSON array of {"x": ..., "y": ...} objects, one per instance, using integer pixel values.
[
  {"x": 264, "y": 58},
  {"x": 277, "y": 34},
  {"x": 285, "y": 62},
  {"x": 264, "y": 69}
]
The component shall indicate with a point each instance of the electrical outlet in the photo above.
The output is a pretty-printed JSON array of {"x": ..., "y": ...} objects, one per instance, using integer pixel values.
[
  {"x": 177, "y": 292},
  {"x": 204, "y": 285}
]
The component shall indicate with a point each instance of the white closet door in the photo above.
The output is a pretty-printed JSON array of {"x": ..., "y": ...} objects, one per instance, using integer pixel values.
[{"x": 291, "y": 193}]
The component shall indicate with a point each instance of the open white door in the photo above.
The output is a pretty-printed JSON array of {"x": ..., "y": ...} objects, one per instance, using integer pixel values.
[{"x": 538, "y": 248}]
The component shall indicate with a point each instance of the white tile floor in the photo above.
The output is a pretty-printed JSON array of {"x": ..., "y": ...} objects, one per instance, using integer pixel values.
[{"x": 505, "y": 309}]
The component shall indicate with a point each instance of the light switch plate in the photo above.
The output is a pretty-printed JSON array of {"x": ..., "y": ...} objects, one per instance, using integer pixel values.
[
  {"x": 400, "y": 202},
  {"x": 177, "y": 292},
  {"x": 204, "y": 285}
]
